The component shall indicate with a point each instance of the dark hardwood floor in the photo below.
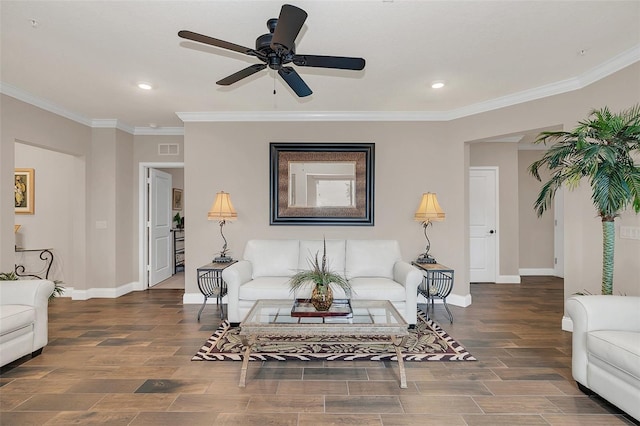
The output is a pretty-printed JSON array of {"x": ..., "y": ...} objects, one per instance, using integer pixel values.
[{"x": 127, "y": 361}]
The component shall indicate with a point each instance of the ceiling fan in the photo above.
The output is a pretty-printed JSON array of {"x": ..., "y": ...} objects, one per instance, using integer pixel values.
[{"x": 277, "y": 49}]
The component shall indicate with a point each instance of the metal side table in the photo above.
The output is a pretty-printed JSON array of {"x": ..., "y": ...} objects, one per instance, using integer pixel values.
[
  {"x": 211, "y": 284},
  {"x": 437, "y": 282}
]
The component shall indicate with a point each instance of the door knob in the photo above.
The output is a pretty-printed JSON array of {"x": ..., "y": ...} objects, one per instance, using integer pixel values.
[{"x": 492, "y": 231}]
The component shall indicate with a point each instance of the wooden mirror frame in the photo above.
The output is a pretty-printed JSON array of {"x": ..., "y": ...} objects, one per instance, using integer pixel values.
[{"x": 281, "y": 154}]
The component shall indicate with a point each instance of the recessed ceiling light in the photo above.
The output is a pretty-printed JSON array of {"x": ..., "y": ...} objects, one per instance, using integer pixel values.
[
  {"x": 437, "y": 85},
  {"x": 145, "y": 86}
]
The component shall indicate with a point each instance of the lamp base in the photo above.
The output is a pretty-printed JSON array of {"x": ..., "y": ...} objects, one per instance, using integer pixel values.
[
  {"x": 222, "y": 259},
  {"x": 425, "y": 259}
]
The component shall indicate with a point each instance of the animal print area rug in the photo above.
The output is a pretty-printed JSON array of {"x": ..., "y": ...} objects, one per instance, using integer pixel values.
[{"x": 427, "y": 342}]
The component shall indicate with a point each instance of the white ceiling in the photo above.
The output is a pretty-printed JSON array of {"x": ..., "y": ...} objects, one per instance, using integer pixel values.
[{"x": 84, "y": 58}]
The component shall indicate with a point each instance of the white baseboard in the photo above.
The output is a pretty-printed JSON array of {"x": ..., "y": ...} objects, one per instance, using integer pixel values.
[
  {"x": 567, "y": 323},
  {"x": 508, "y": 279},
  {"x": 537, "y": 271},
  {"x": 458, "y": 300},
  {"x": 103, "y": 293},
  {"x": 198, "y": 298}
]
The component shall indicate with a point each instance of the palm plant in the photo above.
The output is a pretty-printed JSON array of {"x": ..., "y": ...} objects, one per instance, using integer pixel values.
[{"x": 601, "y": 149}]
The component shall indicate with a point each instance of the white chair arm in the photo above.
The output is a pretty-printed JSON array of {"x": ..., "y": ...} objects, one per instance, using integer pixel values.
[
  {"x": 410, "y": 278},
  {"x": 234, "y": 276},
  {"x": 597, "y": 312},
  {"x": 31, "y": 293}
]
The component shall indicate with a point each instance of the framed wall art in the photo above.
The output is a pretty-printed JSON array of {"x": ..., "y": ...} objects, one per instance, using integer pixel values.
[
  {"x": 321, "y": 183},
  {"x": 177, "y": 199},
  {"x": 24, "y": 191}
]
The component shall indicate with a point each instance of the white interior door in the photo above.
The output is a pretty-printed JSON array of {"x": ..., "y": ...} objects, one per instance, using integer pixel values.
[
  {"x": 483, "y": 218},
  {"x": 159, "y": 226}
]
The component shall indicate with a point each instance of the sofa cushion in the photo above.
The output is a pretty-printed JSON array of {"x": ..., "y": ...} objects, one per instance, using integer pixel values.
[
  {"x": 620, "y": 349},
  {"x": 371, "y": 258},
  {"x": 335, "y": 254},
  {"x": 272, "y": 258},
  {"x": 266, "y": 288},
  {"x": 14, "y": 317},
  {"x": 375, "y": 288}
]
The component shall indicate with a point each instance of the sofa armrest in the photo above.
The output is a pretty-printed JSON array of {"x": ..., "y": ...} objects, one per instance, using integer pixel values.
[
  {"x": 31, "y": 293},
  {"x": 410, "y": 278},
  {"x": 597, "y": 312},
  {"x": 234, "y": 276}
]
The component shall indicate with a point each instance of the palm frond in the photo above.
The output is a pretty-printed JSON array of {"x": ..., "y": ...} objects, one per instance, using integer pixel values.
[{"x": 319, "y": 274}]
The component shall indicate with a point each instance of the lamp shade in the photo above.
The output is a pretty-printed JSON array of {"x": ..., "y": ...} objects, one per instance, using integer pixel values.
[
  {"x": 222, "y": 209},
  {"x": 429, "y": 210}
]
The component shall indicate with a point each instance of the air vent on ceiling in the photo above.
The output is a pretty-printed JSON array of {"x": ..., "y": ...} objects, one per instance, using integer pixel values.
[{"x": 168, "y": 149}]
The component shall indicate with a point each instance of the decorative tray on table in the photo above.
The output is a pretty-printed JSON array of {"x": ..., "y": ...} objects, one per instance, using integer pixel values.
[{"x": 339, "y": 308}]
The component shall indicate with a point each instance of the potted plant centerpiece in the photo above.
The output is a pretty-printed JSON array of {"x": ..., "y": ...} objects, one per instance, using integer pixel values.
[{"x": 322, "y": 279}]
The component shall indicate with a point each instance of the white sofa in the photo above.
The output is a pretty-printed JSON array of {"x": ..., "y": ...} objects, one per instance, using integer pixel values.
[
  {"x": 606, "y": 348},
  {"x": 23, "y": 318},
  {"x": 374, "y": 268}
]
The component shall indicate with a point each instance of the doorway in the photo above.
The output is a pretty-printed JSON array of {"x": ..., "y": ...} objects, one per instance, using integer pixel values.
[{"x": 157, "y": 254}]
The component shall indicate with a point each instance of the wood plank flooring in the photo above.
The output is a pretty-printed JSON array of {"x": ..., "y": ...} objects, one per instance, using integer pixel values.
[{"x": 127, "y": 361}]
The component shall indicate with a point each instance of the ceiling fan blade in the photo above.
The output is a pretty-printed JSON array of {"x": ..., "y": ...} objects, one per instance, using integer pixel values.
[
  {"x": 250, "y": 70},
  {"x": 339, "y": 62},
  {"x": 190, "y": 35},
  {"x": 289, "y": 25},
  {"x": 294, "y": 81}
]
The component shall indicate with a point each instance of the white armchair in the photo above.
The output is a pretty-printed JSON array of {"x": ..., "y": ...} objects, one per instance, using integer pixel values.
[
  {"x": 606, "y": 348},
  {"x": 23, "y": 318}
]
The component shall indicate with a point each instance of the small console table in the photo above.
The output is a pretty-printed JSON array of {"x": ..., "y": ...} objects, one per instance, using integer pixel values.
[
  {"x": 46, "y": 255},
  {"x": 211, "y": 284},
  {"x": 437, "y": 282}
]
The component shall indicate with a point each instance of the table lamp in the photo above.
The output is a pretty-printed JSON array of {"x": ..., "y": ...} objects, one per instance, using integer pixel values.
[
  {"x": 222, "y": 210},
  {"x": 428, "y": 211}
]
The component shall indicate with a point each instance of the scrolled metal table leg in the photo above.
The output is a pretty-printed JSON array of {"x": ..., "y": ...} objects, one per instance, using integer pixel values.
[{"x": 202, "y": 307}]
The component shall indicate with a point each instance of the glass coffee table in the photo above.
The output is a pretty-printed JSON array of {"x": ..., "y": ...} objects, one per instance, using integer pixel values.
[{"x": 272, "y": 318}]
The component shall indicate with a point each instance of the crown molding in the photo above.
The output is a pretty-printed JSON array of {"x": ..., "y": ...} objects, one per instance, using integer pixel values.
[
  {"x": 21, "y": 95},
  {"x": 207, "y": 116},
  {"x": 111, "y": 123},
  {"x": 599, "y": 72}
]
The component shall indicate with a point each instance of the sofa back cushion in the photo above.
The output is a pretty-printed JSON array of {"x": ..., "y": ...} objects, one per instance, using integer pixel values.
[
  {"x": 335, "y": 254},
  {"x": 371, "y": 258},
  {"x": 272, "y": 258}
]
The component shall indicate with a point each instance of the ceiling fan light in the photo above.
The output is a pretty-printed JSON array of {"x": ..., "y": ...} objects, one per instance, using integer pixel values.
[
  {"x": 437, "y": 85},
  {"x": 145, "y": 86}
]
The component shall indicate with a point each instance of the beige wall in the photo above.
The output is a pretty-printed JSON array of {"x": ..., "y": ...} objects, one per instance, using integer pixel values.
[
  {"x": 24, "y": 123},
  {"x": 536, "y": 234},
  {"x": 126, "y": 219},
  {"x": 411, "y": 158}
]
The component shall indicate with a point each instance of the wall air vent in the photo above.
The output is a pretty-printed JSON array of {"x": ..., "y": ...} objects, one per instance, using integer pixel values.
[{"x": 168, "y": 149}]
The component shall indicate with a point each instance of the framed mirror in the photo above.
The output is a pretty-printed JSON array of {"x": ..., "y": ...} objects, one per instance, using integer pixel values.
[{"x": 321, "y": 183}]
